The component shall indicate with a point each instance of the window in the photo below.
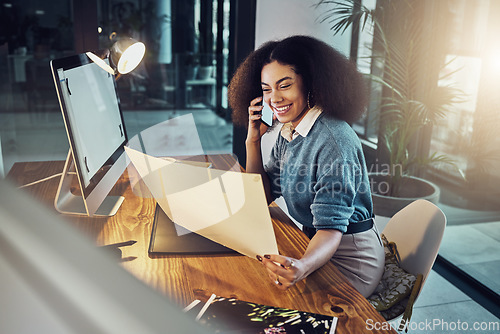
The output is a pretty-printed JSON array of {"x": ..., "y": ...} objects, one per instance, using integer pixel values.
[
  {"x": 180, "y": 36},
  {"x": 186, "y": 65},
  {"x": 467, "y": 134}
]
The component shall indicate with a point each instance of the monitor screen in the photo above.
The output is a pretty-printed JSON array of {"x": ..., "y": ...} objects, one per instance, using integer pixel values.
[{"x": 93, "y": 118}]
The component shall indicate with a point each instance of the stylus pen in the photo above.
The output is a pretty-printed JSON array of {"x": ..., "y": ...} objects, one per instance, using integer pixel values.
[
  {"x": 120, "y": 244},
  {"x": 205, "y": 307}
]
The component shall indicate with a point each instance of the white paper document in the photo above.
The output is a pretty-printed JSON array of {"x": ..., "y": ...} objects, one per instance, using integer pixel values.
[{"x": 227, "y": 207}]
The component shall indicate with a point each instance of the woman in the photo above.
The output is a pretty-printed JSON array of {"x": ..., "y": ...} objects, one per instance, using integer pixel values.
[{"x": 317, "y": 163}]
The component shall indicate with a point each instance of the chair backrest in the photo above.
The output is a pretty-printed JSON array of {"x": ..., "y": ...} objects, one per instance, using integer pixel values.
[{"x": 417, "y": 230}]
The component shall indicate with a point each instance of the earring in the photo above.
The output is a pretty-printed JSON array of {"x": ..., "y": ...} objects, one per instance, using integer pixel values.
[{"x": 308, "y": 99}]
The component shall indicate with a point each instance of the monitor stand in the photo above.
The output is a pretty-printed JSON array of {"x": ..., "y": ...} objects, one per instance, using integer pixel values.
[{"x": 68, "y": 203}]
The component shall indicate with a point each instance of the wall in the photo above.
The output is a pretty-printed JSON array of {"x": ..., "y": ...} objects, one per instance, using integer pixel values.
[{"x": 277, "y": 19}]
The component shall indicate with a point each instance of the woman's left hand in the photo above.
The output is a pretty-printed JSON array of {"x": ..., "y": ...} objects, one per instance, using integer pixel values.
[
  {"x": 286, "y": 271},
  {"x": 283, "y": 271}
]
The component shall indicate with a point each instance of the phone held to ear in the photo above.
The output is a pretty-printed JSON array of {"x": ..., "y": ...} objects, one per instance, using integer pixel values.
[{"x": 267, "y": 114}]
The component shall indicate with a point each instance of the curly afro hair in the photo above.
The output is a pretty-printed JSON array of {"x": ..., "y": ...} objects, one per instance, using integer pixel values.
[{"x": 333, "y": 82}]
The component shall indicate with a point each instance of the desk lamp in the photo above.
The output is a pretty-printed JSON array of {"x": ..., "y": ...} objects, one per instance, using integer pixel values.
[{"x": 125, "y": 55}]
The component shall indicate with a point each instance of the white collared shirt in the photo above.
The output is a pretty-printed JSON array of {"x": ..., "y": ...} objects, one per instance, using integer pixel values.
[{"x": 303, "y": 127}]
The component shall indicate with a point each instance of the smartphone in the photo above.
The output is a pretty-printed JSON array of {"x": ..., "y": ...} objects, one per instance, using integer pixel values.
[{"x": 267, "y": 114}]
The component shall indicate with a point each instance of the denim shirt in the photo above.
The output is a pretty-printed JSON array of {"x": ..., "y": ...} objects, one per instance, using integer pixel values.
[{"x": 322, "y": 177}]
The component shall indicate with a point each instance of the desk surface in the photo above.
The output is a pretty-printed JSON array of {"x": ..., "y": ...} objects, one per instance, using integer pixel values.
[{"x": 186, "y": 278}]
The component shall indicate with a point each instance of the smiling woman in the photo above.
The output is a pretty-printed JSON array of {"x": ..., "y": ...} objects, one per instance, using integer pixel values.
[
  {"x": 283, "y": 90},
  {"x": 317, "y": 164}
]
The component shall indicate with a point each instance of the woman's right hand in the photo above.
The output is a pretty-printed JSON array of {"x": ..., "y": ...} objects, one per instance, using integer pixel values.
[{"x": 256, "y": 128}]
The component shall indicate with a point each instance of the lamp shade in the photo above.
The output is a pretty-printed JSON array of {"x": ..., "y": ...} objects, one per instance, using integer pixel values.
[
  {"x": 126, "y": 54},
  {"x": 100, "y": 62}
]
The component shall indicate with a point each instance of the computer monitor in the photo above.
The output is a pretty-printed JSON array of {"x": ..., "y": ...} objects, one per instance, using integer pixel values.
[{"x": 94, "y": 124}]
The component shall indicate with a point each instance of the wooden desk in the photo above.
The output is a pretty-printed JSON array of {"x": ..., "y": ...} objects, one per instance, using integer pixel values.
[{"x": 185, "y": 278}]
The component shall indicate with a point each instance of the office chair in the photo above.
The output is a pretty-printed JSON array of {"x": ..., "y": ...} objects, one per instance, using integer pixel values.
[{"x": 417, "y": 230}]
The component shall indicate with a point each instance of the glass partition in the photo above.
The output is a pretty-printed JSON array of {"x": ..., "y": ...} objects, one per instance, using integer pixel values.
[
  {"x": 469, "y": 189},
  {"x": 185, "y": 68},
  {"x": 184, "y": 71},
  {"x": 31, "y": 34},
  {"x": 467, "y": 58}
]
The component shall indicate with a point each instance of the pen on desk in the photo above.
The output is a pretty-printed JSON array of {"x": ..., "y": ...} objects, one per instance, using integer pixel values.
[
  {"x": 120, "y": 244},
  {"x": 333, "y": 325},
  {"x": 190, "y": 306},
  {"x": 205, "y": 307}
]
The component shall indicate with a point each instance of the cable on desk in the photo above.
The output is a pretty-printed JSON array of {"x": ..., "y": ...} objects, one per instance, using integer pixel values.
[{"x": 44, "y": 179}]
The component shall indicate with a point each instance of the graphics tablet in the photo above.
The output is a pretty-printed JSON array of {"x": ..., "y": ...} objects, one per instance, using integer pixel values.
[{"x": 164, "y": 239}]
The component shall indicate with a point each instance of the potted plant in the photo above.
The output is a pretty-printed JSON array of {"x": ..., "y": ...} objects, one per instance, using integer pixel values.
[{"x": 406, "y": 71}]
